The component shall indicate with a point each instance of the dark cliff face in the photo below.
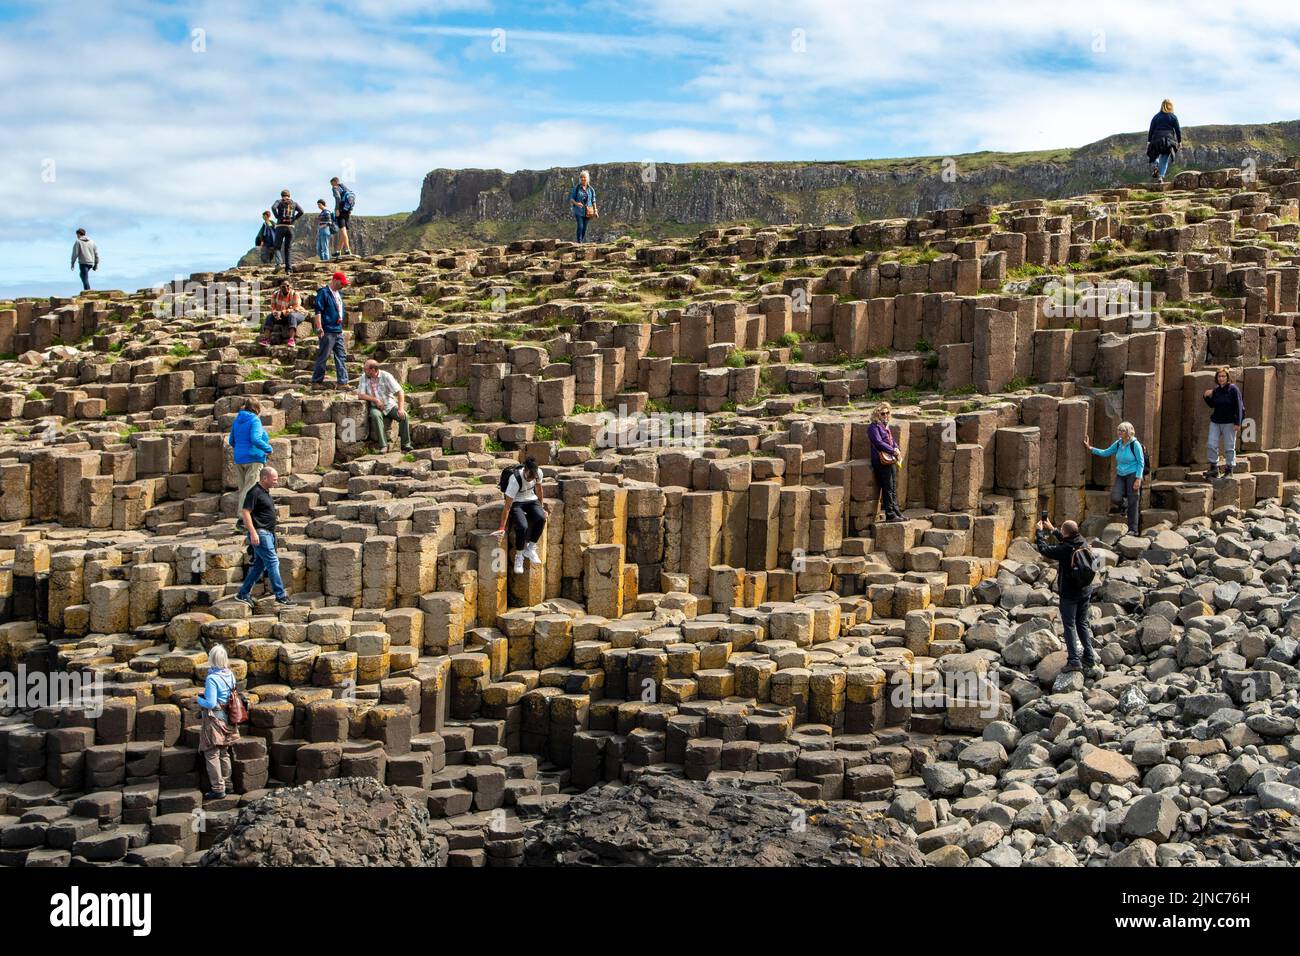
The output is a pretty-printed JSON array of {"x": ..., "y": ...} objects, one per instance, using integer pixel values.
[{"x": 637, "y": 199}]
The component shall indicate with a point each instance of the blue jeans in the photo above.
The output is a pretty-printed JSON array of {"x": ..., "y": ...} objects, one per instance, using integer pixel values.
[
  {"x": 331, "y": 343},
  {"x": 323, "y": 245},
  {"x": 84, "y": 268},
  {"x": 1074, "y": 621},
  {"x": 1123, "y": 492},
  {"x": 582, "y": 227},
  {"x": 1225, "y": 437},
  {"x": 1162, "y": 163},
  {"x": 265, "y": 561}
]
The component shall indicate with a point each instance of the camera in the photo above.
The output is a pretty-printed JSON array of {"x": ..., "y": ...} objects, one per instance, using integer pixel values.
[{"x": 1043, "y": 514}]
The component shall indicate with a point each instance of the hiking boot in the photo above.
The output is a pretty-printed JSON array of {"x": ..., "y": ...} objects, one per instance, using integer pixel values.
[
  {"x": 1071, "y": 667},
  {"x": 1093, "y": 670},
  {"x": 408, "y": 448},
  {"x": 215, "y": 795},
  {"x": 1212, "y": 472}
]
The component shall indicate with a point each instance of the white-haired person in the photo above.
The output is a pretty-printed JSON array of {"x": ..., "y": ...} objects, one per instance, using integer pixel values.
[
  {"x": 218, "y": 733},
  {"x": 1130, "y": 465},
  {"x": 583, "y": 203}
]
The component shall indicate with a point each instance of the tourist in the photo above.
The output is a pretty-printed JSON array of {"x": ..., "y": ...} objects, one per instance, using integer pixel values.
[
  {"x": 1164, "y": 138},
  {"x": 251, "y": 446},
  {"x": 583, "y": 202},
  {"x": 387, "y": 401},
  {"x": 217, "y": 734},
  {"x": 287, "y": 213},
  {"x": 258, "y": 512},
  {"x": 325, "y": 229},
  {"x": 329, "y": 326},
  {"x": 1130, "y": 465},
  {"x": 85, "y": 257},
  {"x": 886, "y": 458},
  {"x": 1076, "y": 573},
  {"x": 525, "y": 511},
  {"x": 265, "y": 240},
  {"x": 1229, "y": 411},
  {"x": 286, "y": 308},
  {"x": 344, "y": 200}
]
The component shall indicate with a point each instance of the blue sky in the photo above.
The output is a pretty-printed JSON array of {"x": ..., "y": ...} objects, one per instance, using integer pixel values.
[{"x": 165, "y": 128}]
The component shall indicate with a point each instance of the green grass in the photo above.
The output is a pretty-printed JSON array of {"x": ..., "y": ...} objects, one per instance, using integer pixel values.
[
  {"x": 493, "y": 445},
  {"x": 181, "y": 350},
  {"x": 735, "y": 359},
  {"x": 543, "y": 433},
  {"x": 587, "y": 409},
  {"x": 35, "y": 395},
  {"x": 464, "y": 408}
]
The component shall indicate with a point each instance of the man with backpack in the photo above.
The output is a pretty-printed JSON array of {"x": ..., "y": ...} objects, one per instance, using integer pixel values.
[
  {"x": 287, "y": 213},
  {"x": 523, "y": 509},
  {"x": 344, "y": 200},
  {"x": 1078, "y": 571}
]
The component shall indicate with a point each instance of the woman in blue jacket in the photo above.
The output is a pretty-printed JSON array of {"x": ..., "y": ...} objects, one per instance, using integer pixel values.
[
  {"x": 217, "y": 734},
  {"x": 583, "y": 202},
  {"x": 251, "y": 445},
  {"x": 1130, "y": 463}
]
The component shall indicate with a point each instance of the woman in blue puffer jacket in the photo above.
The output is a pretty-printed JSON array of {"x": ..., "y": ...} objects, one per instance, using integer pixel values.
[{"x": 252, "y": 446}]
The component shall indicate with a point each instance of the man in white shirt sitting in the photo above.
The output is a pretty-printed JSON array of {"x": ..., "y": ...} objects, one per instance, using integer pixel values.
[{"x": 387, "y": 401}]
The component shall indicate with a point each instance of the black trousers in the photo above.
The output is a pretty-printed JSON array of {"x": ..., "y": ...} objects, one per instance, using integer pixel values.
[
  {"x": 283, "y": 240},
  {"x": 526, "y": 522},
  {"x": 887, "y": 480}
]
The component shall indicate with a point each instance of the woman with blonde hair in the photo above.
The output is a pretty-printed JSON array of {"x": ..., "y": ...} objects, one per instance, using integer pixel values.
[
  {"x": 885, "y": 459},
  {"x": 1130, "y": 465},
  {"x": 1229, "y": 411},
  {"x": 583, "y": 203},
  {"x": 218, "y": 732},
  {"x": 1164, "y": 138}
]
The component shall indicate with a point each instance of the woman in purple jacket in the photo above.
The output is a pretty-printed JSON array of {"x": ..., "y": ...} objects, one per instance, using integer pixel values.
[
  {"x": 1229, "y": 410},
  {"x": 885, "y": 458}
]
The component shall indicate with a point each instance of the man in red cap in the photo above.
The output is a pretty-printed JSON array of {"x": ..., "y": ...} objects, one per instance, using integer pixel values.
[{"x": 329, "y": 326}]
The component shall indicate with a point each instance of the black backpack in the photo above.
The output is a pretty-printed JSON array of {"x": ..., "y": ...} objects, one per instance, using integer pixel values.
[
  {"x": 1146, "y": 459},
  {"x": 1085, "y": 566},
  {"x": 504, "y": 481}
]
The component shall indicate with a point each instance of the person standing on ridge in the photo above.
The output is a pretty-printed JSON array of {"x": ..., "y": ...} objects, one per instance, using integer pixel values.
[
  {"x": 1164, "y": 138},
  {"x": 583, "y": 203},
  {"x": 325, "y": 229},
  {"x": 329, "y": 326},
  {"x": 265, "y": 240},
  {"x": 287, "y": 213},
  {"x": 344, "y": 200},
  {"x": 85, "y": 254}
]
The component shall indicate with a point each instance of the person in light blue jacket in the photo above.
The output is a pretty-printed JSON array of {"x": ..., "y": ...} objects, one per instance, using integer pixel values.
[
  {"x": 217, "y": 734},
  {"x": 1130, "y": 465},
  {"x": 251, "y": 445}
]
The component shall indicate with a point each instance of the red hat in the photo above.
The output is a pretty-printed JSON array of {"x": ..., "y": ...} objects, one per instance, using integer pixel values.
[{"x": 343, "y": 280}]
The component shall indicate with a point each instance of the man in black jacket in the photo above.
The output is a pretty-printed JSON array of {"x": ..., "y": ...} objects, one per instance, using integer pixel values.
[
  {"x": 1075, "y": 599},
  {"x": 287, "y": 213}
]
